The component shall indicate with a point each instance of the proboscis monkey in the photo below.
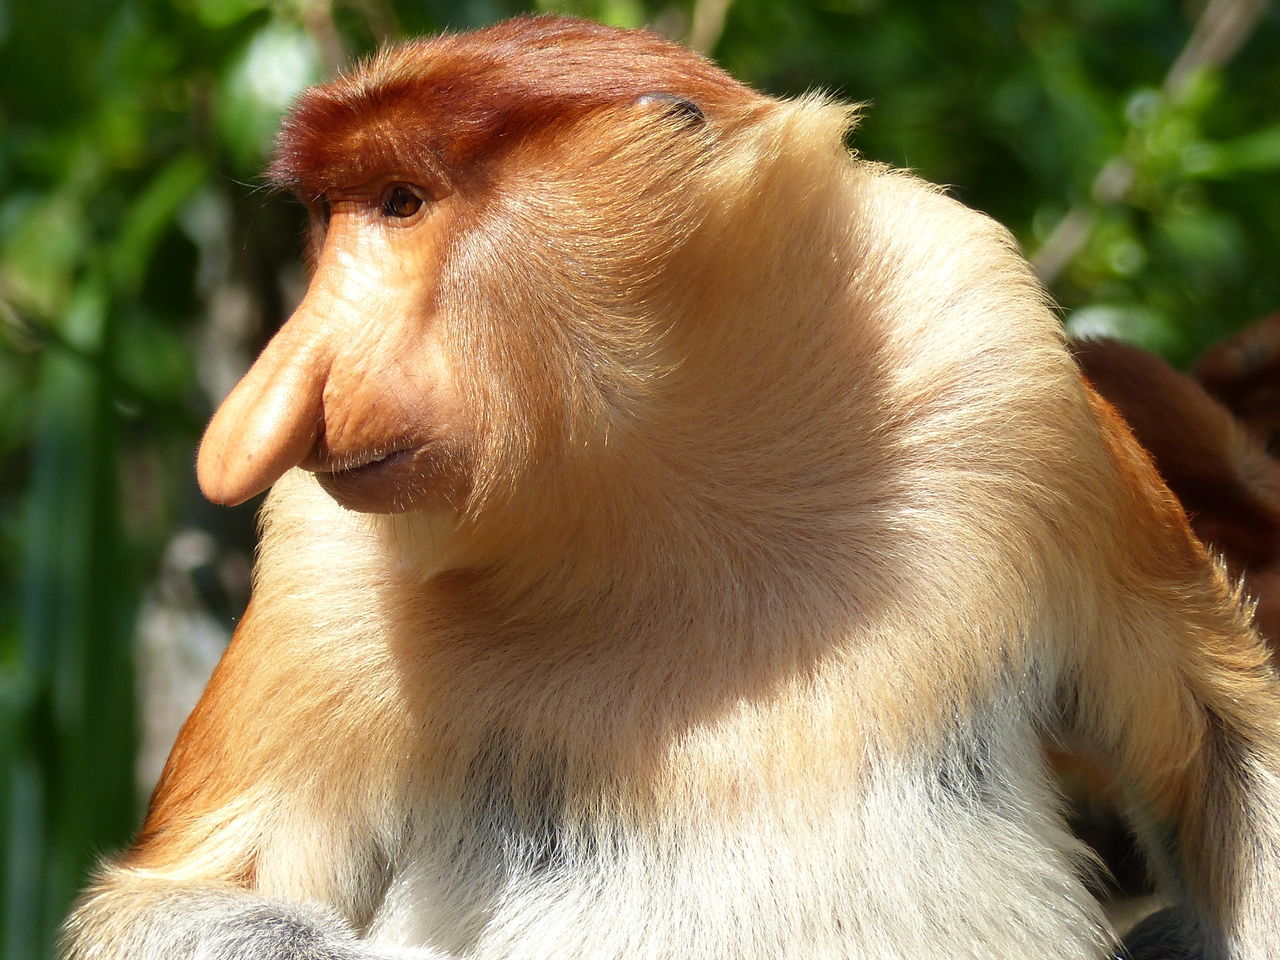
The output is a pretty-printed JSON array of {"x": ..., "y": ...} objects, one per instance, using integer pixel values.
[
  {"x": 1243, "y": 372},
  {"x": 682, "y": 534}
]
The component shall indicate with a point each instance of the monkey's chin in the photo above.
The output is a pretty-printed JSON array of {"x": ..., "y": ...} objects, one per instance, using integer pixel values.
[{"x": 405, "y": 480}]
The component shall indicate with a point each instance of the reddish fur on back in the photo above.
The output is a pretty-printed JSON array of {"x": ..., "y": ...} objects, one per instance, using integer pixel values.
[
  {"x": 1219, "y": 471},
  {"x": 1243, "y": 372}
]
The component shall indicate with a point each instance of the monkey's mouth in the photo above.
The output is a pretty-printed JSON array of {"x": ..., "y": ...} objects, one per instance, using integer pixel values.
[
  {"x": 363, "y": 465},
  {"x": 383, "y": 482},
  {"x": 321, "y": 460}
]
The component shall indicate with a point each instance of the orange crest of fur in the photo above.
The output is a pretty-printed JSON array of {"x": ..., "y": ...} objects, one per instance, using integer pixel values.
[{"x": 434, "y": 107}]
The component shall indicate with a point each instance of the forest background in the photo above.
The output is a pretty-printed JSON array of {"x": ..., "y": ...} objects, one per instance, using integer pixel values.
[{"x": 1133, "y": 147}]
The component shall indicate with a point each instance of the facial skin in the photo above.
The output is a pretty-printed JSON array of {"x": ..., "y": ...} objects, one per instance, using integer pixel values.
[{"x": 355, "y": 388}]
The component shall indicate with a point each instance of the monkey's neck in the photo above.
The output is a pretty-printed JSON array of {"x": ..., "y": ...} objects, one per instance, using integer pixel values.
[{"x": 724, "y": 620}]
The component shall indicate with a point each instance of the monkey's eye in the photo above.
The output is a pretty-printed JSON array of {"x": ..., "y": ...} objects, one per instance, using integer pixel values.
[{"x": 400, "y": 200}]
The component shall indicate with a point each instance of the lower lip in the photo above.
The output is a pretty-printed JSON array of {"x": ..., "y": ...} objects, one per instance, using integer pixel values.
[
  {"x": 408, "y": 479},
  {"x": 389, "y": 485}
]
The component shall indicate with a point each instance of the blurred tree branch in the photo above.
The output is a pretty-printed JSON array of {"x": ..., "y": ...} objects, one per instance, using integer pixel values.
[
  {"x": 1219, "y": 32},
  {"x": 707, "y": 24}
]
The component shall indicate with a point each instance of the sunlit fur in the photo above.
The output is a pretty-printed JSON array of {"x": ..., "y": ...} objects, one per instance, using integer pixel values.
[
  {"x": 1214, "y": 460},
  {"x": 791, "y": 530}
]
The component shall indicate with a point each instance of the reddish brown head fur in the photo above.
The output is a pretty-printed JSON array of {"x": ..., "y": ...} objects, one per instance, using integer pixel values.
[{"x": 434, "y": 107}]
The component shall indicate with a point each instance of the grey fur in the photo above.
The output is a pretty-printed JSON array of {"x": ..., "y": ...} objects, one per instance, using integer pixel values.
[{"x": 217, "y": 924}]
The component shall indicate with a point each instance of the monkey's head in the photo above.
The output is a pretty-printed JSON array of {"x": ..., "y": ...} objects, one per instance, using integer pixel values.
[{"x": 497, "y": 222}]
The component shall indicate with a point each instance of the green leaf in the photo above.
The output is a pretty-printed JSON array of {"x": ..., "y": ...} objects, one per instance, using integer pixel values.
[{"x": 149, "y": 214}]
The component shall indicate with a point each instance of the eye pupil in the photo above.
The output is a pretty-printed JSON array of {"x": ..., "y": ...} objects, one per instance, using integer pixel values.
[{"x": 401, "y": 202}]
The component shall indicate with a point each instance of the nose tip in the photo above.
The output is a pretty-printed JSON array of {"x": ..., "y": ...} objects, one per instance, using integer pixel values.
[{"x": 265, "y": 426}]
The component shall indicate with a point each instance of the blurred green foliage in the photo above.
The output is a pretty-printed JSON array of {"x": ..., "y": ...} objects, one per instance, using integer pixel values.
[{"x": 132, "y": 136}]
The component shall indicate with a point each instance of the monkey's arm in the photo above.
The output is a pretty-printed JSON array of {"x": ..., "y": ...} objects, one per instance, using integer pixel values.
[
  {"x": 251, "y": 828},
  {"x": 1217, "y": 847},
  {"x": 128, "y": 916},
  {"x": 1179, "y": 693}
]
